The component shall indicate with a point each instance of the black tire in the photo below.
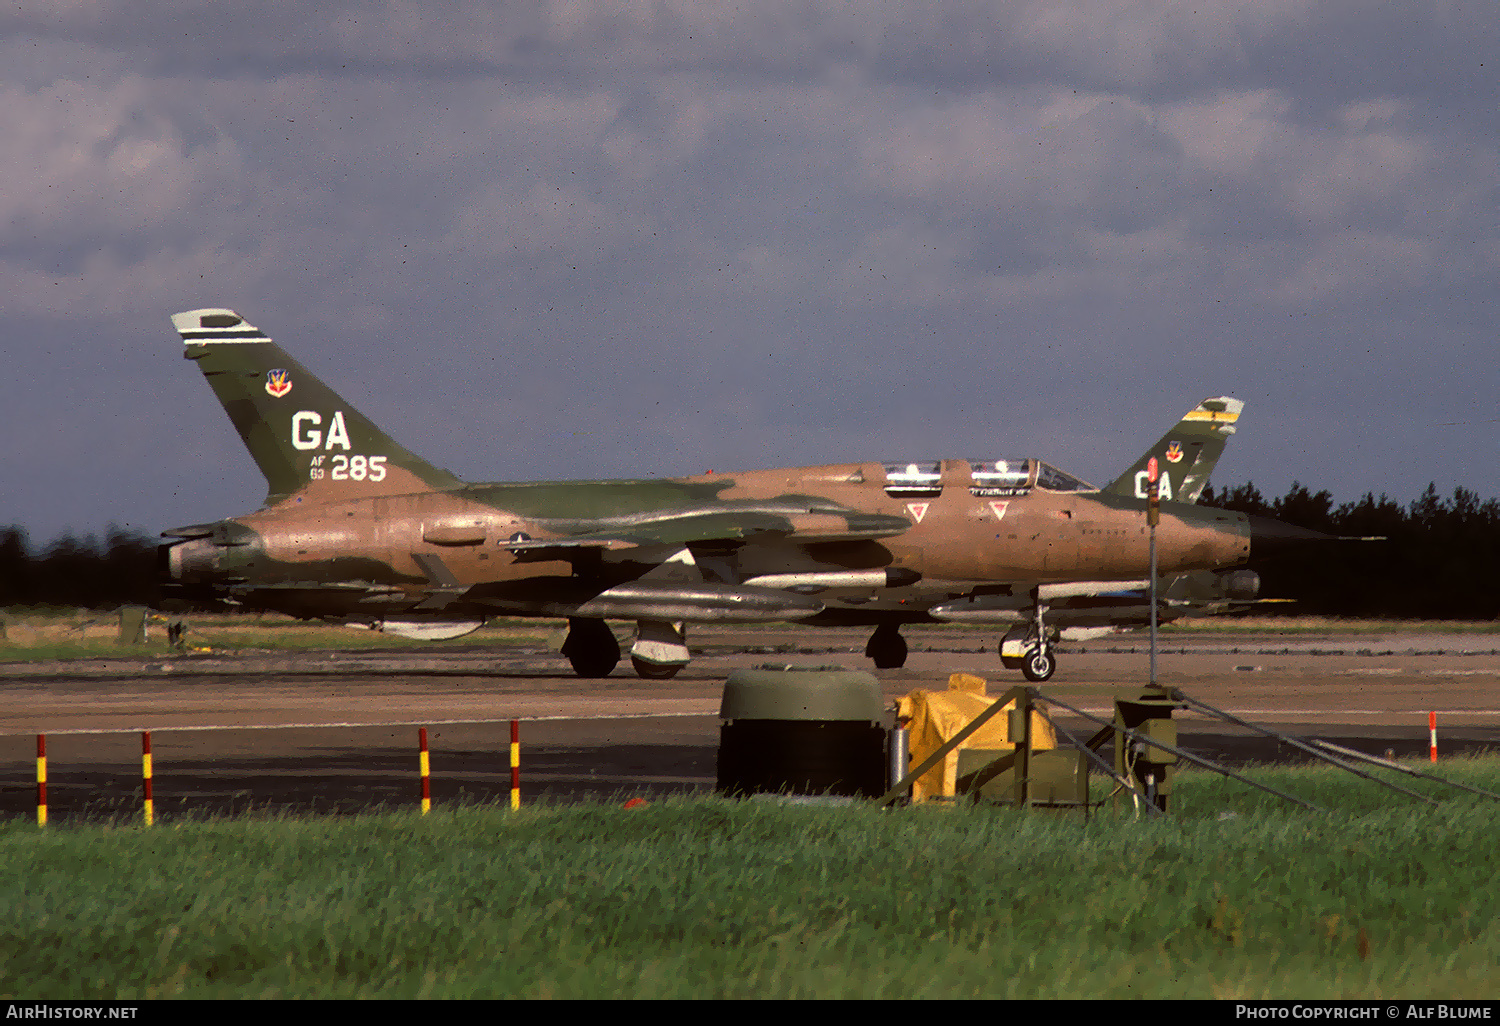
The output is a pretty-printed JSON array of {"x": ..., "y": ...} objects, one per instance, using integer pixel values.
[
  {"x": 654, "y": 671},
  {"x": 888, "y": 648},
  {"x": 593, "y": 664},
  {"x": 591, "y": 648},
  {"x": 1039, "y": 665}
]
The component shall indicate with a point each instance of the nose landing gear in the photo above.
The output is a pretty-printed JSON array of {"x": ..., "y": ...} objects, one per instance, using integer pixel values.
[{"x": 1029, "y": 647}]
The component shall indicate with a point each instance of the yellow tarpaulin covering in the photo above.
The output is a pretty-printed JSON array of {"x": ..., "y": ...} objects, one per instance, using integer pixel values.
[{"x": 936, "y": 716}]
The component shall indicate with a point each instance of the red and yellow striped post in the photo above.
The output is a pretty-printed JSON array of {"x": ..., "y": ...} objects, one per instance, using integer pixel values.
[
  {"x": 150, "y": 807},
  {"x": 515, "y": 764},
  {"x": 41, "y": 780},
  {"x": 1432, "y": 736},
  {"x": 426, "y": 772}
]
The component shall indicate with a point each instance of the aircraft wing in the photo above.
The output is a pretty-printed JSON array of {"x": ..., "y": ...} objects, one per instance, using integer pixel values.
[
  {"x": 810, "y": 524},
  {"x": 1064, "y": 599},
  {"x": 1087, "y": 605}
]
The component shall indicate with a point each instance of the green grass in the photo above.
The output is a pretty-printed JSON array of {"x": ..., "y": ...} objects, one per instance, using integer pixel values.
[
  {"x": 1234, "y": 896},
  {"x": 79, "y": 634},
  {"x": 1233, "y": 624}
]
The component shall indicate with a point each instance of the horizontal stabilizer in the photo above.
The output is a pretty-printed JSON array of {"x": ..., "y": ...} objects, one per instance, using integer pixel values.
[
  {"x": 546, "y": 549},
  {"x": 426, "y": 629}
]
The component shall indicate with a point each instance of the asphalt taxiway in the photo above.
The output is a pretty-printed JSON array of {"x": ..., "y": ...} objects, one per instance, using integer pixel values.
[{"x": 337, "y": 731}]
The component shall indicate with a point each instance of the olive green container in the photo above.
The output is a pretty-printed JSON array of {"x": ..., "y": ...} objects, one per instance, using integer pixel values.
[{"x": 802, "y": 730}]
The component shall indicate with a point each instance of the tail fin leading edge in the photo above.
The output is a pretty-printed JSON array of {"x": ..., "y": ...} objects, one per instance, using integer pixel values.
[
  {"x": 305, "y": 439},
  {"x": 1186, "y": 454}
]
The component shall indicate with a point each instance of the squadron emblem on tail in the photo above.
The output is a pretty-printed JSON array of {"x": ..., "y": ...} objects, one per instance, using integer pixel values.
[{"x": 278, "y": 383}]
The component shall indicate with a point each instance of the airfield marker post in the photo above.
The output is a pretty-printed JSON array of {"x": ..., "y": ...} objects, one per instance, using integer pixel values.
[
  {"x": 41, "y": 780},
  {"x": 149, "y": 809},
  {"x": 1432, "y": 736},
  {"x": 515, "y": 764},
  {"x": 426, "y": 772},
  {"x": 1153, "y": 517}
]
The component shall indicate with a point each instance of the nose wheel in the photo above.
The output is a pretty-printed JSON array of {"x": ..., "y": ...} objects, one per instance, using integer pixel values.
[{"x": 1040, "y": 664}]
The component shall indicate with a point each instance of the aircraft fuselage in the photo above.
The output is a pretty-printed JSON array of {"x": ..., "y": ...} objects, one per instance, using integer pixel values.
[{"x": 382, "y": 555}]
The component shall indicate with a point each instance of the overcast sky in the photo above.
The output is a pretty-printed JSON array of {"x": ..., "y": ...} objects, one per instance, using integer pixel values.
[{"x": 630, "y": 238}]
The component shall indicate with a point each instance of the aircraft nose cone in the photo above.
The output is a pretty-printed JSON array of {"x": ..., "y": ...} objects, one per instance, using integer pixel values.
[{"x": 1272, "y": 537}]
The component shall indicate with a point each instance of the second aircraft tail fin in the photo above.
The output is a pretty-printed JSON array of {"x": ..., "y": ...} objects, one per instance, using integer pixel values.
[
  {"x": 1186, "y": 454},
  {"x": 305, "y": 439}
]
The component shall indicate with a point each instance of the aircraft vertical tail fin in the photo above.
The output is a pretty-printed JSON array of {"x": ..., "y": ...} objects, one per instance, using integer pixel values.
[
  {"x": 305, "y": 439},
  {"x": 1186, "y": 454}
]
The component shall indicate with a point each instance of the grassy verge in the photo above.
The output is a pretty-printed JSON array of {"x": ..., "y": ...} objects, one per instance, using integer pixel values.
[
  {"x": 82, "y": 634},
  {"x": 1324, "y": 625},
  {"x": 1234, "y": 896}
]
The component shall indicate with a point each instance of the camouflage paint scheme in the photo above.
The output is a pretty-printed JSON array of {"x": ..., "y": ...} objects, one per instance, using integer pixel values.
[{"x": 358, "y": 529}]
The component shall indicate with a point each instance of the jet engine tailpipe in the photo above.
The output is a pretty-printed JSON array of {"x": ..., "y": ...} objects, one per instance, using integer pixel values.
[{"x": 1270, "y": 537}]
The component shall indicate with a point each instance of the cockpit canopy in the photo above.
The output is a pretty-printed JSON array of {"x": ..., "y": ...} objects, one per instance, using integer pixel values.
[
  {"x": 1054, "y": 480},
  {"x": 919, "y": 477},
  {"x": 986, "y": 477}
]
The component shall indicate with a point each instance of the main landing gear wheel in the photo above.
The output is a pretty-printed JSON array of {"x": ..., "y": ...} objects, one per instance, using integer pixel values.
[
  {"x": 591, "y": 648},
  {"x": 653, "y": 671},
  {"x": 887, "y": 647},
  {"x": 1039, "y": 664}
]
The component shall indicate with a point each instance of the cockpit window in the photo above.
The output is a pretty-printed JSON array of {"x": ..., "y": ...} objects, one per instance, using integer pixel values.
[
  {"x": 919, "y": 477},
  {"x": 1011, "y": 476},
  {"x": 1055, "y": 480},
  {"x": 1018, "y": 476},
  {"x": 1012, "y": 473}
]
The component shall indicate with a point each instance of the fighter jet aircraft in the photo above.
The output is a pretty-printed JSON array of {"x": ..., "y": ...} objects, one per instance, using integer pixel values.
[{"x": 357, "y": 529}]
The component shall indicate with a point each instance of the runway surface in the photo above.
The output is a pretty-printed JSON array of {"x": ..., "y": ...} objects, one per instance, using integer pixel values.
[{"x": 337, "y": 731}]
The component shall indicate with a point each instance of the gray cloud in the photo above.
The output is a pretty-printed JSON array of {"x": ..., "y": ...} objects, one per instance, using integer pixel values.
[{"x": 657, "y": 237}]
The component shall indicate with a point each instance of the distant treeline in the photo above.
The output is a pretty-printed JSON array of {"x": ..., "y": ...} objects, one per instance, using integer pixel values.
[
  {"x": 73, "y": 571},
  {"x": 1441, "y": 559}
]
